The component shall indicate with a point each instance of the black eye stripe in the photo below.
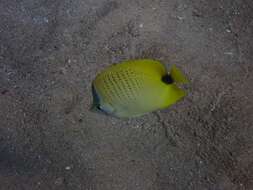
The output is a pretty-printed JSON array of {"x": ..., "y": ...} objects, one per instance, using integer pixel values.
[{"x": 95, "y": 95}]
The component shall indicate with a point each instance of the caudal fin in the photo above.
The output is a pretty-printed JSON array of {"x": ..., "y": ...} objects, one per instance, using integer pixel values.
[{"x": 177, "y": 75}]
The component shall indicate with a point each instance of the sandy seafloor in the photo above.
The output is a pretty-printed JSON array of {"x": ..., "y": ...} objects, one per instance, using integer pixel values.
[{"x": 50, "y": 51}]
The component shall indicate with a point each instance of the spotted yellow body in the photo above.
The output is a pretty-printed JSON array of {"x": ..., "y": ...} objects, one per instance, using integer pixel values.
[{"x": 135, "y": 87}]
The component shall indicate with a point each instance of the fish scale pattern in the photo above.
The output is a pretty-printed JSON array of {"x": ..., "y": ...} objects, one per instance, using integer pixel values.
[{"x": 121, "y": 85}]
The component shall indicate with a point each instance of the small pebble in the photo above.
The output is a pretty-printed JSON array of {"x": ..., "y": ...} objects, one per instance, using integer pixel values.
[
  {"x": 228, "y": 53},
  {"x": 46, "y": 20},
  {"x": 180, "y": 18}
]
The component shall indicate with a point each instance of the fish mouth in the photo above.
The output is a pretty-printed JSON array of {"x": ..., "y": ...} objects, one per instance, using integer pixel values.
[
  {"x": 96, "y": 105},
  {"x": 95, "y": 108}
]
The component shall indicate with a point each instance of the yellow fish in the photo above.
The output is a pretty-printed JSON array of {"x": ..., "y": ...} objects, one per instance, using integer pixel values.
[{"x": 136, "y": 87}]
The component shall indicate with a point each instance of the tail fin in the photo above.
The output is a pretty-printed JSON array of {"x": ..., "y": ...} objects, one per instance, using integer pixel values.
[{"x": 177, "y": 75}]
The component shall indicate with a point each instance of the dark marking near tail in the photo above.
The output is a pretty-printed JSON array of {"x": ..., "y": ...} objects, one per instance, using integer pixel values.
[{"x": 167, "y": 79}]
